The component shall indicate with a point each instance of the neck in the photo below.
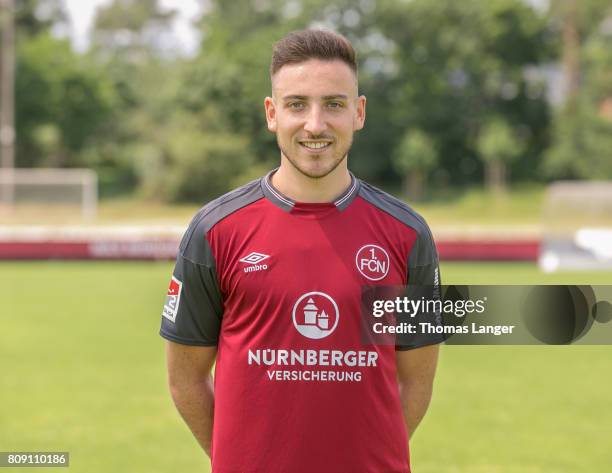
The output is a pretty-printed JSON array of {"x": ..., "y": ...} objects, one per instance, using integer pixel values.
[{"x": 301, "y": 188}]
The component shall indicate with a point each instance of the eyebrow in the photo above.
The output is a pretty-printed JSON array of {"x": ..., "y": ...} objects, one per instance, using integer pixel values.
[{"x": 325, "y": 97}]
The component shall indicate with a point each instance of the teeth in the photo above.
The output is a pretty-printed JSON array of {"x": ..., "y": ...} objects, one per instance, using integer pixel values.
[{"x": 315, "y": 144}]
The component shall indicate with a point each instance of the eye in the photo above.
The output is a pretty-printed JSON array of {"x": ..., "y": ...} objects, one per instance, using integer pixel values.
[
  {"x": 335, "y": 104},
  {"x": 296, "y": 105}
]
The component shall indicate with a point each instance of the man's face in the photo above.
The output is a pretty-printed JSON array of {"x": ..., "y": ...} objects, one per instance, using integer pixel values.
[{"x": 314, "y": 110}]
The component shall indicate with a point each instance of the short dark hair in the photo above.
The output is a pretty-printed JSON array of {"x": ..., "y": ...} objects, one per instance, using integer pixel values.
[{"x": 300, "y": 46}]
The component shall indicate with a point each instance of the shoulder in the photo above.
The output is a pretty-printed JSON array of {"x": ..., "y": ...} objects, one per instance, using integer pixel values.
[
  {"x": 424, "y": 249},
  {"x": 215, "y": 211},
  {"x": 393, "y": 206}
]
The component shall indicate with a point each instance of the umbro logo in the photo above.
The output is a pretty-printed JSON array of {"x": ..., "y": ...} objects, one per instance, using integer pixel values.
[{"x": 254, "y": 259}]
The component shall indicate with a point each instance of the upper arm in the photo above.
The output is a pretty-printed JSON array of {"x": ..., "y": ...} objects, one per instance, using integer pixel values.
[
  {"x": 188, "y": 364},
  {"x": 417, "y": 366},
  {"x": 423, "y": 283},
  {"x": 423, "y": 265},
  {"x": 193, "y": 310}
]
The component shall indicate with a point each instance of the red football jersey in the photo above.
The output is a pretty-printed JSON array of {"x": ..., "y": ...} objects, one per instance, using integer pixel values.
[{"x": 276, "y": 286}]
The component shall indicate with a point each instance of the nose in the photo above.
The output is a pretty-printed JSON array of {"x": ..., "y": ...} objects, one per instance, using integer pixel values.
[{"x": 315, "y": 121}]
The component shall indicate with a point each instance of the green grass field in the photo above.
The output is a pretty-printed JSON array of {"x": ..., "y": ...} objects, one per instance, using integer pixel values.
[{"x": 83, "y": 371}]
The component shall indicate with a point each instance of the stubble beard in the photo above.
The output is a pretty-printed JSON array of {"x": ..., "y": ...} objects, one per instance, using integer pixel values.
[{"x": 336, "y": 161}]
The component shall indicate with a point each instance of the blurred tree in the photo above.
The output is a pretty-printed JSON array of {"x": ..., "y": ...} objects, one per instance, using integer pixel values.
[
  {"x": 38, "y": 16},
  {"x": 414, "y": 158},
  {"x": 582, "y": 133},
  {"x": 453, "y": 66},
  {"x": 61, "y": 99},
  {"x": 206, "y": 164},
  {"x": 568, "y": 11},
  {"x": 136, "y": 30},
  {"x": 130, "y": 39},
  {"x": 498, "y": 145}
]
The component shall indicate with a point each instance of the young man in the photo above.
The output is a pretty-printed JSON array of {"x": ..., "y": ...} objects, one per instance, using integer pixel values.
[{"x": 268, "y": 281}]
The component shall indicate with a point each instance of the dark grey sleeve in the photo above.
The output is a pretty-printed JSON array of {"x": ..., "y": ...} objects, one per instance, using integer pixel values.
[
  {"x": 193, "y": 309},
  {"x": 423, "y": 282},
  {"x": 423, "y": 265}
]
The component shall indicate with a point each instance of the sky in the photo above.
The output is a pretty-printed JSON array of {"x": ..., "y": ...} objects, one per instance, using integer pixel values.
[{"x": 82, "y": 12}]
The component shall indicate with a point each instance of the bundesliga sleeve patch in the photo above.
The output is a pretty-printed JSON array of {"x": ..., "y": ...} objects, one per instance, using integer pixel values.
[{"x": 172, "y": 299}]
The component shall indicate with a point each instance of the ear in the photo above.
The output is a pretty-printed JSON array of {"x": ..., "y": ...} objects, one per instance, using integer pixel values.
[
  {"x": 360, "y": 113},
  {"x": 270, "y": 114}
]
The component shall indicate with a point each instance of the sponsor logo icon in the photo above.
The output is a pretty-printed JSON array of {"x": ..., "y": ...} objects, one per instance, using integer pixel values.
[
  {"x": 315, "y": 315},
  {"x": 372, "y": 262},
  {"x": 173, "y": 299},
  {"x": 254, "y": 259}
]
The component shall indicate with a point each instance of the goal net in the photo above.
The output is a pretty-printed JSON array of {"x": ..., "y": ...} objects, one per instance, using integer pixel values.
[
  {"x": 577, "y": 226},
  {"x": 48, "y": 193}
]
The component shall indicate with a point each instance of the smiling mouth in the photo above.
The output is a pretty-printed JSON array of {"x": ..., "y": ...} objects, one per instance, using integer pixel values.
[{"x": 315, "y": 145}]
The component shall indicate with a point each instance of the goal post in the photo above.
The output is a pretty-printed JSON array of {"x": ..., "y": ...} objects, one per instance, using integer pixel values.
[
  {"x": 577, "y": 226},
  {"x": 49, "y": 189}
]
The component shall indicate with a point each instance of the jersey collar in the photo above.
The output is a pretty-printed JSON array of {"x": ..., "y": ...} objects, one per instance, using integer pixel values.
[{"x": 287, "y": 204}]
